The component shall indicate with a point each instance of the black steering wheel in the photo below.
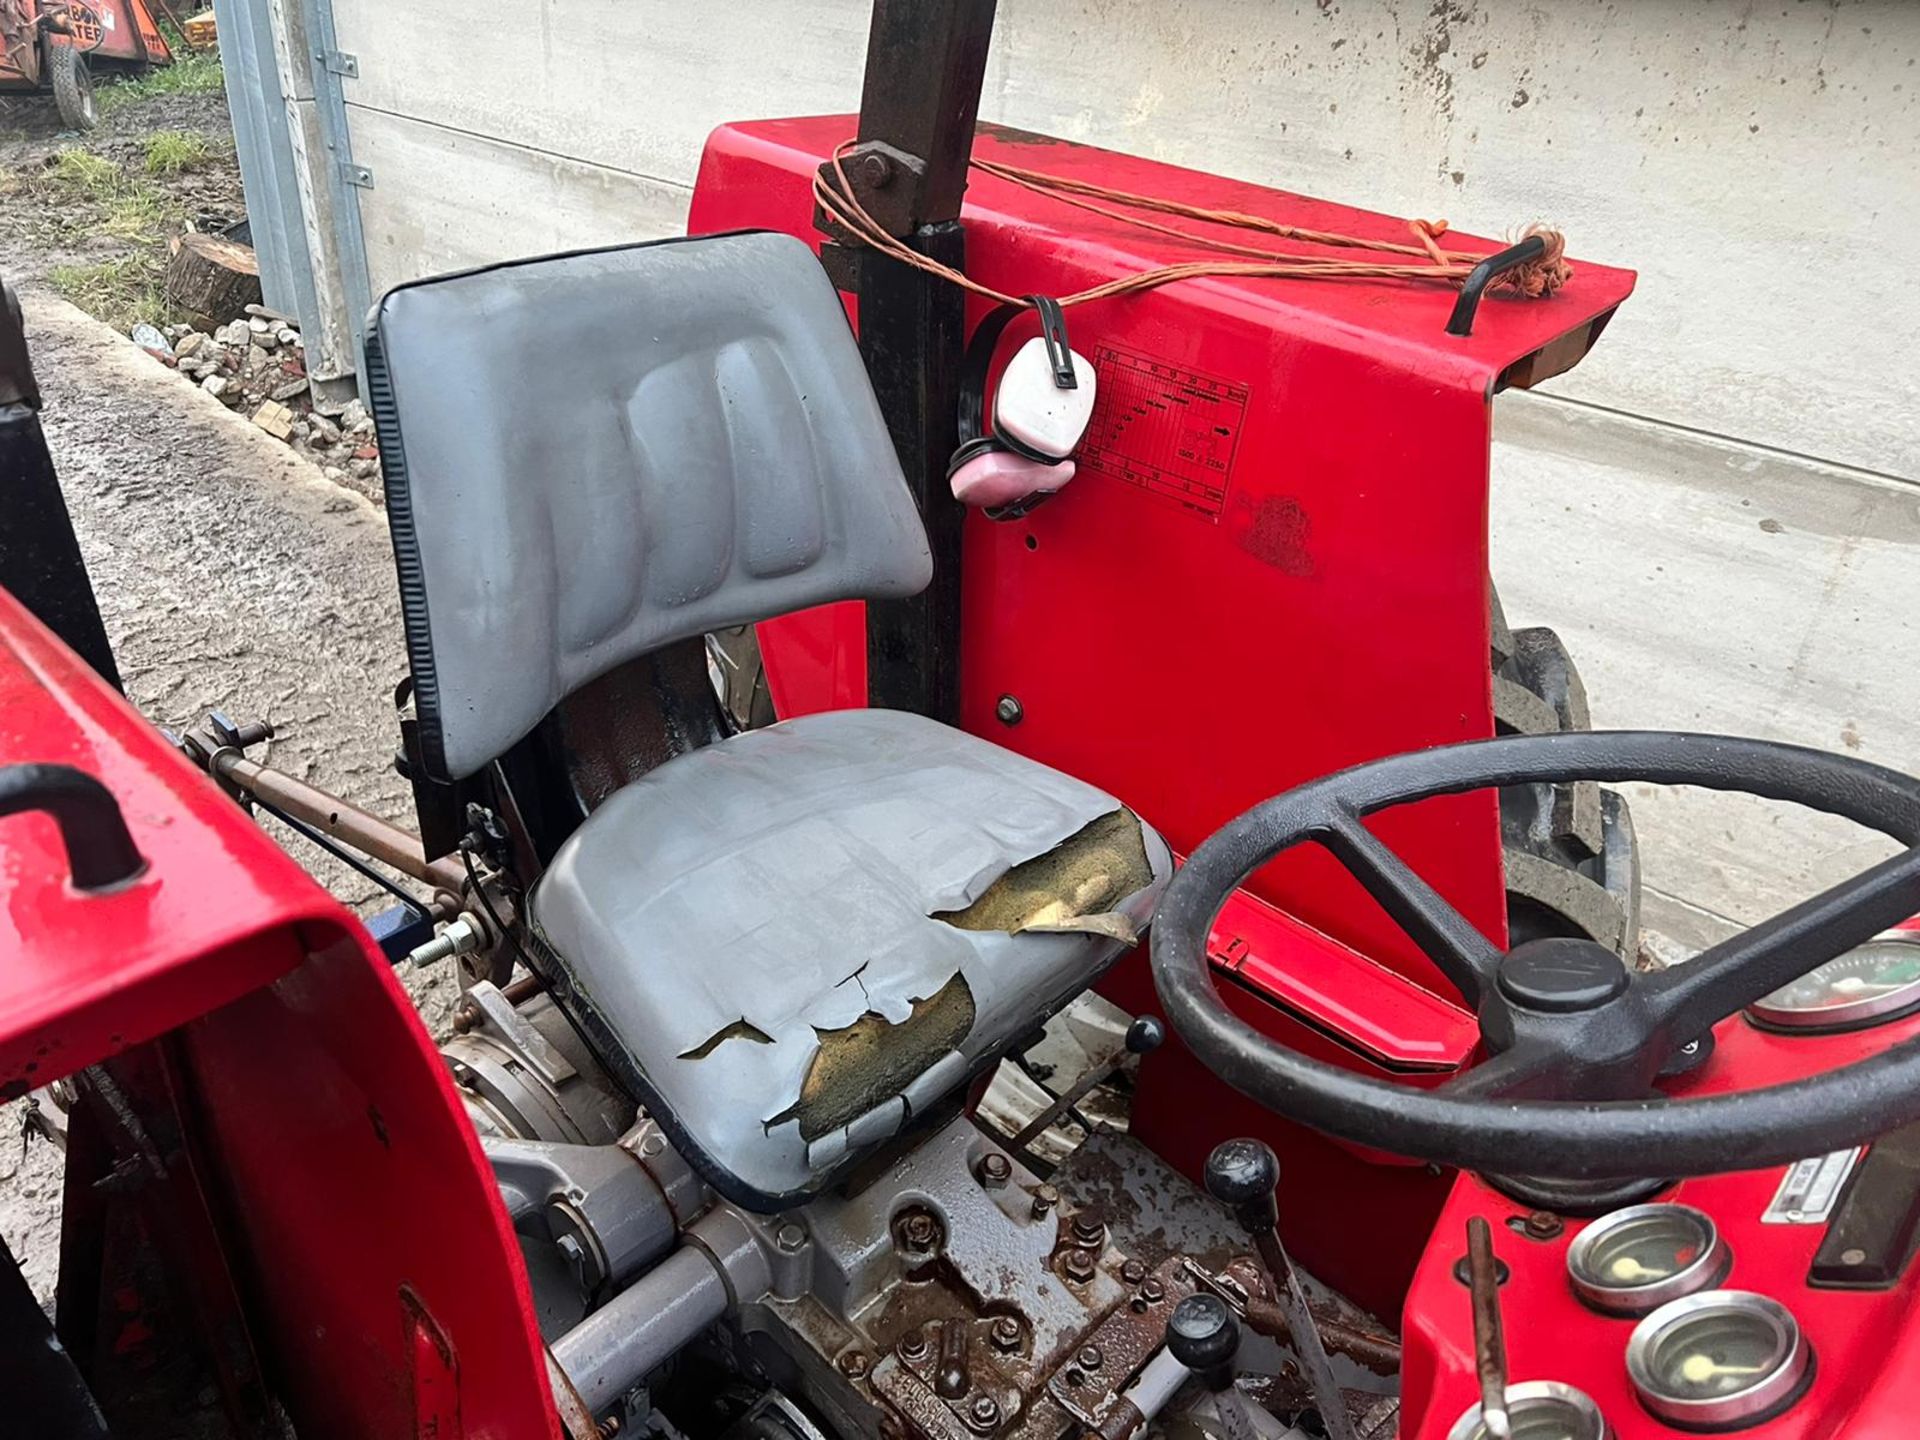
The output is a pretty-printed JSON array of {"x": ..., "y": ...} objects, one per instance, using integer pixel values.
[{"x": 1573, "y": 1040}]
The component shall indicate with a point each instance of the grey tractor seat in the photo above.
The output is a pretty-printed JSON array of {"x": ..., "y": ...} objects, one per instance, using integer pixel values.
[
  {"x": 788, "y": 942},
  {"x": 796, "y": 939}
]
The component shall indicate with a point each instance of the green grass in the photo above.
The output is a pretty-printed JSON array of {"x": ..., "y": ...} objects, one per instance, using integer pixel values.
[
  {"x": 140, "y": 213},
  {"x": 128, "y": 207},
  {"x": 194, "y": 73},
  {"x": 123, "y": 291},
  {"x": 173, "y": 152},
  {"x": 82, "y": 173},
  {"x": 88, "y": 194}
]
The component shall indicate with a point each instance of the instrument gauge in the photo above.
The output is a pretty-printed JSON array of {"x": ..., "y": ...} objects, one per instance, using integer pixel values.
[
  {"x": 1540, "y": 1410},
  {"x": 1719, "y": 1360},
  {"x": 1869, "y": 985},
  {"x": 1633, "y": 1261}
]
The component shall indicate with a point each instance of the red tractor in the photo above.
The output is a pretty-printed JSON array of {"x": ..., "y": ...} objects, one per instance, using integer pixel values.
[
  {"x": 51, "y": 45},
  {"x": 1170, "y": 969}
]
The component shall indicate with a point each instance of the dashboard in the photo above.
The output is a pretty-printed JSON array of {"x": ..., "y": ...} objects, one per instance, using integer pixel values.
[{"x": 1778, "y": 1303}]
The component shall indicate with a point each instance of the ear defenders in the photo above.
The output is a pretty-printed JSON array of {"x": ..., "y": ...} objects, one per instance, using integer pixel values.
[{"x": 1041, "y": 409}]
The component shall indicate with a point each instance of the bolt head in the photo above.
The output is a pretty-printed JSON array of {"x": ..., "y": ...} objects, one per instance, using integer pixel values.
[
  {"x": 1005, "y": 1333},
  {"x": 1009, "y": 710},
  {"x": 790, "y": 1237},
  {"x": 578, "y": 1261},
  {"x": 853, "y": 1363},
  {"x": 1087, "y": 1230},
  {"x": 1153, "y": 1292},
  {"x": 984, "y": 1412},
  {"x": 876, "y": 169},
  {"x": 920, "y": 1231},
  {"x": 1090, "y": 1358},
  {"x": 1077, "y": 1265},
  {"x": 1133, "y": 1272},
  {"x": 1045, "y": 1197},
  {"x": 1542, "y": 1225},
  {"x": 996, "y": 1169}
]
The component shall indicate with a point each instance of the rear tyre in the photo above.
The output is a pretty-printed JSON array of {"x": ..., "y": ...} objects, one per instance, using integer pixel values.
[
  {"x": 1572, "y": 865},
  {"x": 72, "y": 87}
]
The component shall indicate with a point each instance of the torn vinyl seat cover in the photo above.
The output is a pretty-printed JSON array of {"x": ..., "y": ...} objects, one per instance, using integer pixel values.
[{"x": 792, "y": 941}]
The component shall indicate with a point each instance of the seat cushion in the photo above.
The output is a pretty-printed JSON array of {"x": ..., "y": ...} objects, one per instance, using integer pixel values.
[{"x": 795, "y": 939}]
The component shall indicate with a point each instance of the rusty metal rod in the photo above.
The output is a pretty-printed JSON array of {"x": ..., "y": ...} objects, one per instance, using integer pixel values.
[
  {"x": 1489, "y": 1334},
  {"x": 1375, "y": 1352},
  {"x": 335, "y": 817}
]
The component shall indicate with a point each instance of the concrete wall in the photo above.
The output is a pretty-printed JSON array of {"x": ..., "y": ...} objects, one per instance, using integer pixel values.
[{"x": 1754, "y": 161}]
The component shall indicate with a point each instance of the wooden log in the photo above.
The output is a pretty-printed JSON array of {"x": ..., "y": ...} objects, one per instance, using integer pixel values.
[{"x": 211, "y": 280}]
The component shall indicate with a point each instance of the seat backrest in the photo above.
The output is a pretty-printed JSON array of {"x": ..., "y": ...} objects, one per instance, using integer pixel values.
[{"x": 590, "y": 456}]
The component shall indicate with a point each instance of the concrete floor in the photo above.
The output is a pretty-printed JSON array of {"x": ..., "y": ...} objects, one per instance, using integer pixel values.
[
  {"x": 1705, "y": 586},
  {"x": 230, "y": 574}
]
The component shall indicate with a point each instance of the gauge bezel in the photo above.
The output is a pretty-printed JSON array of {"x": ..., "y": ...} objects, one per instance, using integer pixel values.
[
  {"x": 1762, "y": 1400},
  {"x": 1705, "y": 1273},
  {"x": 1854, "y": 1015},
  {"x": 1518, "y": 1397}
]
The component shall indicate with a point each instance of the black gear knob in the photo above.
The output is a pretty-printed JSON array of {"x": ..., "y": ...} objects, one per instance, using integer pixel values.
[
  {"x": 1243, "y": 1174},
  {"x": 1203, "y": 1336}
]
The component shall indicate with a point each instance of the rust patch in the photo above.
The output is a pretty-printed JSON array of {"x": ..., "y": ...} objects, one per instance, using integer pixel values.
[
  {"x": 1087, "y": 874},
  {"x": 1280, "y": 535},
  {"x": 871, "y": 1061},
  {"x": 1013, "y": 135},
  {"x": 741, "y": 1029}
]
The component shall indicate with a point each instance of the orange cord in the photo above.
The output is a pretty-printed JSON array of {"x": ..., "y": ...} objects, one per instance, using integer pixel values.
[{"x": 1538, "y": 277}]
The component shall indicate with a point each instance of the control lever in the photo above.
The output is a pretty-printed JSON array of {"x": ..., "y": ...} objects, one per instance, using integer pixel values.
[
  {"x": 1489, "y": 1334},
  {"x": 1203, "y": 1335},
  {"x": 1244, "y": 1175}
]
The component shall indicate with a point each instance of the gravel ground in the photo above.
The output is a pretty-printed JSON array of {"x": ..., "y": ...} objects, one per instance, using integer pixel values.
[{"x": 231, "y": 575}]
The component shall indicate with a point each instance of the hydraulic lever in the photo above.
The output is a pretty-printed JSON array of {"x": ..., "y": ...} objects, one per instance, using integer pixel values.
[{"x": 1244, "y": 1175}]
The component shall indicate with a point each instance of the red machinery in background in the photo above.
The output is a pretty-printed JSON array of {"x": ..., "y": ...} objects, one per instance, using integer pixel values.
[{"x": 52, "y": 45}]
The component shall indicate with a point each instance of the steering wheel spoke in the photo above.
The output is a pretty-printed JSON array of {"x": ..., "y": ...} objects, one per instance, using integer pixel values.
[
  {"x": 1724, "y": 979},
  {"x": 1466, "y": 957},
  {"x": 1525, "y": 1071}
]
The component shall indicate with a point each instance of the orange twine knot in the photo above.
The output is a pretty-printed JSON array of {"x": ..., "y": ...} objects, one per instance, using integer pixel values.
[
  {"x": 1547, "y": 273},
  {"x": 1428, "y": 233}
]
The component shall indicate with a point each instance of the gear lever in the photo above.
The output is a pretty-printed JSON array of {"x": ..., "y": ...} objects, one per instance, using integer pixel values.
[
  {"x": 1203, "y": 1336},
  {"x": 1244, "y": 1175}
]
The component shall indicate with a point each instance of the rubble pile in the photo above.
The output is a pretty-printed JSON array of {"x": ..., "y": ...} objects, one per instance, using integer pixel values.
[{"x": 257, "y": 366}]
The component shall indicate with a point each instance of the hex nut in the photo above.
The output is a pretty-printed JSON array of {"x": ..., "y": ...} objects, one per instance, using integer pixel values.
[
  {"x": 853, "y": 1364},
  {"x": 790, "y": 1237},
  {"x": 1045, "y": 1197},
  {"x": 1005, "y": 1333},
  {"x": 1133, "y": 1272},
  {"x": 1077, "y": 1265},
  {"x": 1090, "y": 1358},
  {"x": 995, "y": 1170},
  {"x": 1542, "y": 1225},
  {"x": 920, "y": 1232}
]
